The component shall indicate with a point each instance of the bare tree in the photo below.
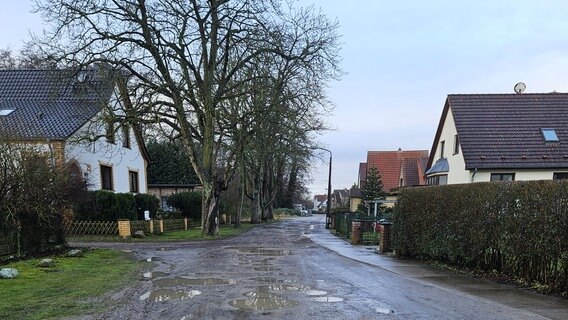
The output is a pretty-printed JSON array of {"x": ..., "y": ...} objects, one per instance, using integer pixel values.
[{"x": 186, "y": 61}]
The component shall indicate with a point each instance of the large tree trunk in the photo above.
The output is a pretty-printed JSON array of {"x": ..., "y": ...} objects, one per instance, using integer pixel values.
[{"x": 210, "y": 210}]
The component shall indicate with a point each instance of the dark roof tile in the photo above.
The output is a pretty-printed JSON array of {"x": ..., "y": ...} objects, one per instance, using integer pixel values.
[
  {"x": 504, "y": 130},
  {"x": 50, "y": 104}
]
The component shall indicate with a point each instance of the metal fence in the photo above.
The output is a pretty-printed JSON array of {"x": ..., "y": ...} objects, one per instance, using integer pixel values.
[
  {"x": 343, "y": 226},
  {"x": 7, "y": 242}
]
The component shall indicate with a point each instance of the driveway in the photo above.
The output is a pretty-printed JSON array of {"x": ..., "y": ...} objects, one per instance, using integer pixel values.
[{"x": 296, "y": 269}]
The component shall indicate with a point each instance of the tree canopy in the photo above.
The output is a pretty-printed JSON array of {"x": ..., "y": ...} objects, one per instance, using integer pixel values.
[{"x": 212, "y": 73}]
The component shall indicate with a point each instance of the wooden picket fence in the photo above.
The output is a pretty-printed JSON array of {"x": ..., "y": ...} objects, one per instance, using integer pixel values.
[
  {"x": 91, "y": 228},
  {"x": 111, "y": 228}
]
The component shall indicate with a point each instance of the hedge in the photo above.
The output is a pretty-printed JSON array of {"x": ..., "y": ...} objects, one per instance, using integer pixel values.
[
  {"x": 103, "y": 205},
  {"x": 519, "y": 229}
]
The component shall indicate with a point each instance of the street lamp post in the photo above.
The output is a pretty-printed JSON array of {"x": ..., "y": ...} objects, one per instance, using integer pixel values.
[{"x": 328, "y": 206}]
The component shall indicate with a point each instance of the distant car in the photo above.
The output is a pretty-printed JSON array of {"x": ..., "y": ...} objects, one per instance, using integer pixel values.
[{"x": 304, "y": 212}]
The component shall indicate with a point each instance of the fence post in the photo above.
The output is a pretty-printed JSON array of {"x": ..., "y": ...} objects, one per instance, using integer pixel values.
[
  {"x": 385, "y": 240},
  {"x": 355, "y": 232},
  {"x": 124, "y": 228},
  {"x": 185, "y": 223},
  {"x": 161, "y": 223}
]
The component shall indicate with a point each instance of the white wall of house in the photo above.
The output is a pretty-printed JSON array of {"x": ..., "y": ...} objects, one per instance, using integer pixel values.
[
  {"x": 122, "y": 160},
  {"x": 457, "y": 173},
  {"x": 520, "y": 175}
]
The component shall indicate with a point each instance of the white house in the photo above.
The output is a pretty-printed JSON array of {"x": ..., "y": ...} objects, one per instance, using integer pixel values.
[
  {"x": 63, "y": 112},
  {"x": 500, "y": 137}
]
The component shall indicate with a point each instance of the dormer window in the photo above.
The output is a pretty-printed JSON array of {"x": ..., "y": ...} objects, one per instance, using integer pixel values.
[
  {"x": 549, "y": 135},
  {"x": 5, "y": 112}
]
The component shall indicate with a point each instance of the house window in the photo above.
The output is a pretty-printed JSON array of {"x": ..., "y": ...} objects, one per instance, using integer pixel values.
[
  {"x": 106, "y": 177},
  {"x": 502, "y": 177},
  {"x": 438, "y": 180},
  {"x": 133, "y": 177},
  {"x": 166, "y": 205},
  {"x": 110, "y": 132},
  {"x": 442, "y": 144},
  {"x": 126, "y": 136},
  {"x": 401, "y": 182},
  {"x": 560, "y": 175},
  {"x": 456, "y": 144},
  {"x": 549, "y": 135}
]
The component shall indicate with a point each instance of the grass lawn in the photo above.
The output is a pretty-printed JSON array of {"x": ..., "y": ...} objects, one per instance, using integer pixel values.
[
  {"x": 180, "y": 235},
  {"x": 67, "y": 288}
]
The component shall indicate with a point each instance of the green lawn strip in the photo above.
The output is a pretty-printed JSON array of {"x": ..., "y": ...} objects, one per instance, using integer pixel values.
[
  {"x": 67, "y": 288},
  {"x": 180, "y": 235}
]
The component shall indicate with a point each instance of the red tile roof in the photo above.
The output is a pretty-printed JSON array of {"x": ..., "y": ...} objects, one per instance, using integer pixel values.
[
  {"x": 362, "y": 173},
  {"x": 389, "y": 164}
]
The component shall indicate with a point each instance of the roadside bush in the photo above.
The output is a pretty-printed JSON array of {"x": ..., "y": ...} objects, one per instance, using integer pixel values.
[
  {"x": 35, "y": 189},
  {"x": 187, "y": 203},
  {"x": 518, "y": 229},
  {"x": 146, "y": 202},
  {"x": 104, "y": 205}
]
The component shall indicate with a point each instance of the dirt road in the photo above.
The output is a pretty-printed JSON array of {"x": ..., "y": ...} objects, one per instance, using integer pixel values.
[{"x": 296, "y": 270}]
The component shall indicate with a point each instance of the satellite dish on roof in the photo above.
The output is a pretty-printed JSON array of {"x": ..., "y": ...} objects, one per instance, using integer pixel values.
[{"x": 520, "y": 87}]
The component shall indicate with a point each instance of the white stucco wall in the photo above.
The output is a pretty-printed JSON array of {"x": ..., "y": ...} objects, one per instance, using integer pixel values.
[
  {"x": 91, "y": 155},
  {"x": 520, "y": 175},
  {"x": 457, "y": 173}
]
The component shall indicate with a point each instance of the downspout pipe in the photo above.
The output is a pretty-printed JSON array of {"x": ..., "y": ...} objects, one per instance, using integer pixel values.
[{"x": 473, "y": 175}]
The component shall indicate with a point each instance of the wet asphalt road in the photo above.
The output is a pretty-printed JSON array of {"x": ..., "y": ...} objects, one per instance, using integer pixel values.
[{"x": 296, "y": 270}]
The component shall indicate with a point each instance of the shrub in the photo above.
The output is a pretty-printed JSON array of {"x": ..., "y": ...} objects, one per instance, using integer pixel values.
[
  {"x": 518, "y": 228},
  {"x": 104, "y": 205},
  {"x": 146, "y": 202},
  {"x": 187, "y": 203}
]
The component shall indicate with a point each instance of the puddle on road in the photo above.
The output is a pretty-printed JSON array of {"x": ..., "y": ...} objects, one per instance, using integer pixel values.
[
  {"x": 154, "y": 275},
  {"x": 328, "y": 299},
  {"x": 262, "y": 251},
  {"x": 166, "y": 249},
  {"x": 384, "y": 310},
  {"x": 293, "y": 287},
  {"x": 161, "y": 295},
  {"x": 262, "y": 301},
  {"x": 266, "y": 268},
  {"x": 270, "y": 280},
  {"x": 182, "y": 282},
  {"x": 316, "y": 293},
  {"x": 285, "y": 287}
]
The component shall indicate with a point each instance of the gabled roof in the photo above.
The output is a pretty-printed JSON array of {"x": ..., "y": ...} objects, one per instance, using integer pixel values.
[
  {"x": 362, "y": 173},
  {"x": 389, "y": 164},
  {"x": 320, "y": 197},
  {"x": 49, "y": 104},
  {"x": 413, "y": 171},
  {"x": 503, "y": 131}
]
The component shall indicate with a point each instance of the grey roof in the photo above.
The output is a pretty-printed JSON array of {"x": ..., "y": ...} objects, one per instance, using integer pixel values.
[
  {"x": 440, "y": 166},
  {"x": 50, "y": 103},
  {"x": 504, "y": 130}
]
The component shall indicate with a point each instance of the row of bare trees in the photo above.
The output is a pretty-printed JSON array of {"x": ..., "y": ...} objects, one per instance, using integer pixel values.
[{"x": 240, "y": 82}]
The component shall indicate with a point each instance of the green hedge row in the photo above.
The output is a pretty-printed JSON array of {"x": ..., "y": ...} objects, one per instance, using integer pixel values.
[
  {"x": 519, "y": 229},
  {"x": 103, "y": 205}
]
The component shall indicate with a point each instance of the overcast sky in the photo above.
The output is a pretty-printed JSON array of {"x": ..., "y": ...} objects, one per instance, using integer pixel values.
[{"x": 402, "y": 58}]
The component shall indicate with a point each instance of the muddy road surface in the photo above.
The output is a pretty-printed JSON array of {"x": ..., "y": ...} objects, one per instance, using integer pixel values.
[{"x": 295, "y": 269}]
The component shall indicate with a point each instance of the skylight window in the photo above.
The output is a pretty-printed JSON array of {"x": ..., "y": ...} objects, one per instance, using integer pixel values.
[
  {"x": 549, "y": 135},
  {"x": 5, "y": 112}
]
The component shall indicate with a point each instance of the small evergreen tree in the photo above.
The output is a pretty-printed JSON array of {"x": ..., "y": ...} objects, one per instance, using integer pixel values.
[{"x": 373, "y": 187}]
